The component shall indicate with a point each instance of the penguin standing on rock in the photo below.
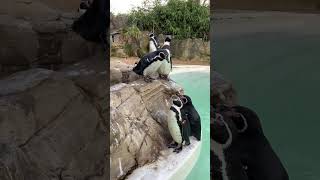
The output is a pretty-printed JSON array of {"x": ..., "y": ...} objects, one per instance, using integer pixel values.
[
  {"x": 175, "y": 125},
  {"x": 149, "y": 64},
  {"x": 190, "y": 113},
  {"x": 166, "y": 66},
  {"x": 153, "y": 43}
]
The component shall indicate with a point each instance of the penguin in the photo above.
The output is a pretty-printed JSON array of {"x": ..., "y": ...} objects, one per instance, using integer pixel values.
[
  {"x": 192, "y": 115},
  {"x": 166, "y": 66},
  {"x": 149, "y": 64},
  {"x": 224, "y": 155},
  {"x": 93, "y": 24},
  {"x": 174, "y": 122},
  {"x": 257, "y": 155},
  {"x": 84, "y": 5},
  {"x": 153, "y": 43}
]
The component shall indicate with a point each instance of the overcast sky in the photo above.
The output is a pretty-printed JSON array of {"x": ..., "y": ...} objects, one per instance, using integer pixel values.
[{"x": 123, "y": 6}]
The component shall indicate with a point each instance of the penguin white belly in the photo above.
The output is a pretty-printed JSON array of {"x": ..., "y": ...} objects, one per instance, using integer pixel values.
[
  {"x": 165, "y": 68},
  {"x": 152, "y": 69},
  {"x": 174, "y": 128},
  {"x": 152, "y": 47}
]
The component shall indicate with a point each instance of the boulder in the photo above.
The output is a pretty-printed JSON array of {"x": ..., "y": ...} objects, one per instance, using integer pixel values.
[
  {"x": 35, "y": 10},
  {"x": 50, "y": 128},
  {"x": 19, "y": 42},
  {"x": 121, "y": 73},
  {"x": 74, "y": 48},
  {"x": 138, "y": 123},
  {"x": 29, "y": 10}
]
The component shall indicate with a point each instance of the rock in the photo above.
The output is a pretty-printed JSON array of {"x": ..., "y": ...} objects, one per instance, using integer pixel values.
[
  {"x": 75, "y": 48},
  {"x": 16, "y": 165},
  {"x": 51, "y": 127},
  {"x": 191, "y": 49},
  {"x": 38, "y": 10},
  {"x": 222, "y": 90},
  {"x": 138, "y": 123},
  {"x": 49, "y": 27},
  {"x": 29, "y": 10},
  {"x": 121, "y": 73},
  {"x": 90, "y": 75},
  {"x": 19, "y": 43}
]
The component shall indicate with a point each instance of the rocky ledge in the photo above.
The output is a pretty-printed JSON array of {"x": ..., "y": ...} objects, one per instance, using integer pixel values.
[{"x": 138, "y": 120}]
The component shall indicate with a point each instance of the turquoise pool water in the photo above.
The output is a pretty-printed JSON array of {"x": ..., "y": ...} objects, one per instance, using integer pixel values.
[
  {"x": 277, "y": 75},
  {"x": 197, "y": 86}
]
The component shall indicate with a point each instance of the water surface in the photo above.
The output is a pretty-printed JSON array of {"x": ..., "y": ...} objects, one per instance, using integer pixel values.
[{"x": 277, "y": 75}]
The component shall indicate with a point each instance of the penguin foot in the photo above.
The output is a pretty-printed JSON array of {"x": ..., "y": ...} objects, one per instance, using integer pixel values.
[
  {"x": 173, "y": 145},
  {"x": 178, "y": 149},
  {"x": 147, "y": 79},
  {"x": 164, "y": 77}
]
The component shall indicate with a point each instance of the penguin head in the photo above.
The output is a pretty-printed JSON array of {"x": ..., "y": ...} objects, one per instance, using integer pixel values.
[
  {"x": 162, "y": 55},
  {"x": 186, "y": 100},
  {"x": 151, "y": 35},
  {"x": 247, "y": 120},
  {"x": 237, "y": 118},
  {"x": 177, "y": 101},
  {"x": 224, "y": 130},
  {"x": 168, "y": 39}
]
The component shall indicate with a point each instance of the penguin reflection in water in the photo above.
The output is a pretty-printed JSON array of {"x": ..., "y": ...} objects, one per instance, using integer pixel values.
[
  {"x": 178, "y": 125},
  {"x": 248, "y": 152},
  {"x": 224, "y": 155},
  {"x": 155, "y": 64}
]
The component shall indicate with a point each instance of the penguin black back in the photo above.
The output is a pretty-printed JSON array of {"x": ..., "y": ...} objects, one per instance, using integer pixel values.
[
  {"x": 256, "y": 152},
  {"x": 93, "y": 24},
  {"x": 147, "y": 60},
  {"x": 193, "y": 117}
]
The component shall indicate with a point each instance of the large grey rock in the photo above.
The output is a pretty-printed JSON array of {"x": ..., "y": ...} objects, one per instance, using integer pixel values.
[
  {"x": 38, "y": 10},
  {"x": 54, "y": 127},
  {"x": 138, "y": 123},
  {"x": 19, "y": 42},
  {"x": 74, "y": 48},
  {"x": 121, "y": 73}
]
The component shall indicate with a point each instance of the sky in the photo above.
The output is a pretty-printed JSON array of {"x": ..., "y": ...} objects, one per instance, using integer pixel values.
[{"x": 123, "y": 6}]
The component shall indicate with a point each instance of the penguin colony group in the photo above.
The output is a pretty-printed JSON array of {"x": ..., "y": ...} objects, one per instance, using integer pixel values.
[
  {"x": 156, "y": 63},
  {"x": 183, "y": 119},
  {"x": 239, "y": 149}
]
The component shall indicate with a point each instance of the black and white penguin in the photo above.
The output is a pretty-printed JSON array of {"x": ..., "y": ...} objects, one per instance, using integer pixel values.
[
  {"x": 192, "y": 115},
  {"x": 166, "y": 66},
  {"x": 257, "y": 155},
  {"x": 149, "y": 64},
  {"x": 153, "y": 43},
  {"x": 224, "y": 155},
  {"x": 174, "y": 122},
  {"x": 93, "y": 24}
]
